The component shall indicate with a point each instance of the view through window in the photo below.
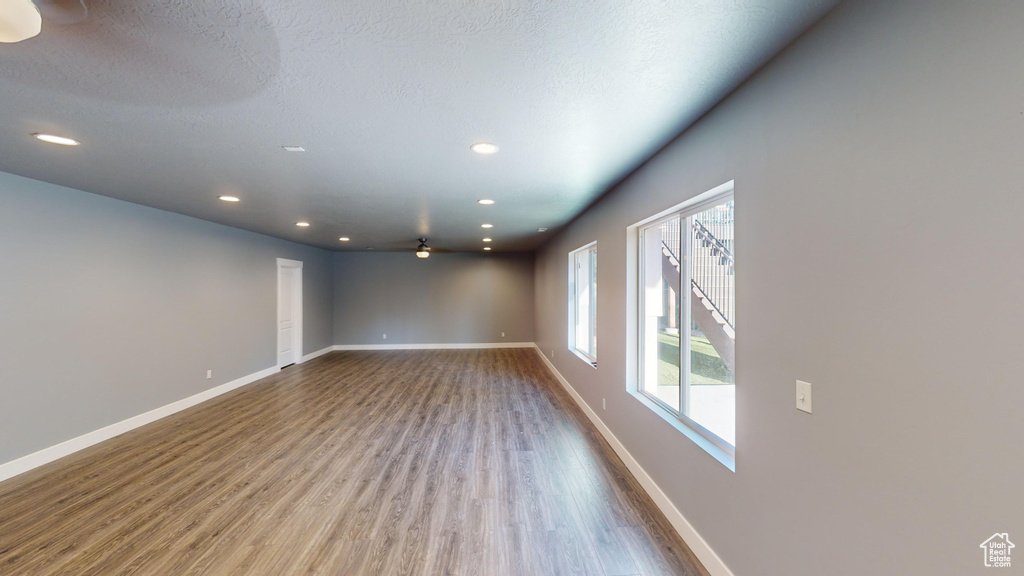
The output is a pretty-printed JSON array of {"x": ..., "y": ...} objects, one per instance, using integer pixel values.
[
  {"x": 583, "y": 304},
  {"x": 688, "y": 318}
]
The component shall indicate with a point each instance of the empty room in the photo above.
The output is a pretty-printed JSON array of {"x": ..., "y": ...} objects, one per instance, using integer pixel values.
[{"x": 511, "y": 288}]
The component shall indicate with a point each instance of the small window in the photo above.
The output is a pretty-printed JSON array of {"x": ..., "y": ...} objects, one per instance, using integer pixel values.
[
  {"x": 687, "y": 317},
  {"x": 583, "y": 302}
]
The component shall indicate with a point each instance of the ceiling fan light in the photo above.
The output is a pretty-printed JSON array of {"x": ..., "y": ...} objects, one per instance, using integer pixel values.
[
  {"x": 423, "y": 251},
  {"x": 19, "y": 20}
]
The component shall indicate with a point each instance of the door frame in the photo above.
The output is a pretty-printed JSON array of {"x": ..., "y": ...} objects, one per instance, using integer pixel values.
[{"x": 283, "y": 263}]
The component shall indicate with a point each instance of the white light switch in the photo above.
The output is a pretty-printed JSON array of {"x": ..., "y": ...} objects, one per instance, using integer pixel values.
[{"x": 803, "y": 396}]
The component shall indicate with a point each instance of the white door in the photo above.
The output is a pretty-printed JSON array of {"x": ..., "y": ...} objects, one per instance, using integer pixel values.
[{"x": 289, "y": 312}]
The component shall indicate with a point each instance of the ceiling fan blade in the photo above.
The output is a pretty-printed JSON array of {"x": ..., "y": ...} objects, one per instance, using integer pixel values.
[
  {"x": 403, "y": 246},
  {"x": 62, "y": 12},
  {"x": 19, "y": 20}
]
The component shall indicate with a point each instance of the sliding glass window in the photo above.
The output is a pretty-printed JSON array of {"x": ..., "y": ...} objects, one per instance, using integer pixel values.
[
  {"x": 583, "y": 302},
  {"x": 687, "y": 314}
]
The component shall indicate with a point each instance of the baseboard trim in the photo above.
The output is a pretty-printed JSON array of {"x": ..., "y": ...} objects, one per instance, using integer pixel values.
[
  {"x": 693, "y": 539},
  {"x": 47, "y": 455},
  {"x": 317, "y": 354},
  {"x": 433, "y": 346},
  {"x": 686, "y": 531}
]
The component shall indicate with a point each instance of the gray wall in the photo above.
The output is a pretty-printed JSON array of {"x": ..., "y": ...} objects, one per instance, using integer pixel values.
[
  {"x": 110, "y": 309},
  {"x": 878, "y": 167},
  {"x": 446, "y": 299}
]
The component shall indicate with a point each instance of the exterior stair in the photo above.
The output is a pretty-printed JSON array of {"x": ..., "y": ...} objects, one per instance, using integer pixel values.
[{"x": 719, "y": 332}]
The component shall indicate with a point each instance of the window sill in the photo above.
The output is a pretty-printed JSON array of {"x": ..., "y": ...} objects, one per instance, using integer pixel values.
[
  {"x": 591, "y": 361},
  {"x": 717, "y": 453}
]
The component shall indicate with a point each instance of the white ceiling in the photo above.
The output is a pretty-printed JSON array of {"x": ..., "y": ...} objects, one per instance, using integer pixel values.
[{"x": 178, "y": 101}]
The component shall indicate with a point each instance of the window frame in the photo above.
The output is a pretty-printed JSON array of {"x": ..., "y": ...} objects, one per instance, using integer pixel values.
[
  {"x": 708, "y": 440},
  {"x": 574, "y": 304}
]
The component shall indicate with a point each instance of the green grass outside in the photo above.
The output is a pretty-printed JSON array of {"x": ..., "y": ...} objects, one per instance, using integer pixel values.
[{"x": 706, "y": 366}]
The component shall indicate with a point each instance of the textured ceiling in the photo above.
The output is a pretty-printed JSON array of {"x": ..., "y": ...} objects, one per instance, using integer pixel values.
[{"x": 178, "y": 101}]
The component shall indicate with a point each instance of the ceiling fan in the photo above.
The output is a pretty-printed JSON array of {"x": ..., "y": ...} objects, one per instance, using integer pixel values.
[
  {"x": 424, "y": 251},
  {"x": 23, "y": 19}
]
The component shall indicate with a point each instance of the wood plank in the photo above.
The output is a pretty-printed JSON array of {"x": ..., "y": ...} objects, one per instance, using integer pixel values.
[{"x": 462, "y": 462}]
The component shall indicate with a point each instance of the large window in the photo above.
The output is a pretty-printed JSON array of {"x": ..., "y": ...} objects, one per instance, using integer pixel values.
[
  {"x": 583, "y": 302},
  {"x": 687, "y": 317}
]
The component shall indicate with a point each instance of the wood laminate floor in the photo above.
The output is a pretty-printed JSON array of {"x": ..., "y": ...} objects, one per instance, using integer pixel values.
[{"x": 469, "y": 462}]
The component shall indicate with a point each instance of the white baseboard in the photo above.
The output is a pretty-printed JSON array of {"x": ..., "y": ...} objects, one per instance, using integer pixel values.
[
  {"x": 433, "y": 346},
  {"x": 686, "y": 531},
  {"x": 47, "y": 455},
  {"x": 317, "y": 354},
  {"x": 697, "y": 544}
]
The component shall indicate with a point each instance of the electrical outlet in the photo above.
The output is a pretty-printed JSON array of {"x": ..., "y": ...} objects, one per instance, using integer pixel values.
[
  {"x": 502, "y": 334},
  {"x": 209, "y": 374},
  {"x": 604, "y": 405},
  {"x": 803, "y": 396},
  {"x": 385, "y": 337}
]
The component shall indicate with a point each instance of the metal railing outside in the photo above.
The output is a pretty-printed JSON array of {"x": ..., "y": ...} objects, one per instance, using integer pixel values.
[
  {"x": 712, "y": 271},
  {"x": 710, "y": 255}
]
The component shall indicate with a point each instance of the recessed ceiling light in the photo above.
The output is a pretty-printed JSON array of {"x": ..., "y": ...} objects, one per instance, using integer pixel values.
[
  {"x": 488, "y": 248},
  {"x": 542, "y": 229},
  {"x": 57, "y": 139},
  {"x": 229, "y": 198},
  {"x": 344, "y": 238},
  {"x": 484, "y": 148},
  {"x": 487, "y": 225},
  {"x": 487, "y": 239},
  {"x": 302, "y": 224},
  {"x": 293, "y": 148},
  {"x": 485, "y": 201}
]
